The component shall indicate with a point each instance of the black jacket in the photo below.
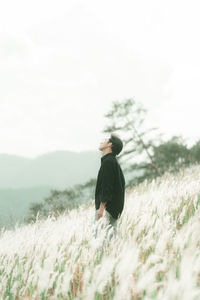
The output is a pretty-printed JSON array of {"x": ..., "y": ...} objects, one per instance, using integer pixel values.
[{"x": 110, "y": 186}]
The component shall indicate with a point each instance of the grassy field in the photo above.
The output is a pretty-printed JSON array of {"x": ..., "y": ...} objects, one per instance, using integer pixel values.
[{"x": 156, "y": 254}]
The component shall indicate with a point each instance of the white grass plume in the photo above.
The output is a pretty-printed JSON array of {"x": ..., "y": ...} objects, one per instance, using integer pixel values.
[{"x": 156, "y": 253}]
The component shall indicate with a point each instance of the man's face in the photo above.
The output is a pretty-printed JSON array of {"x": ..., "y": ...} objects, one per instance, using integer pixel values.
[{"x": 105, "y": 144}]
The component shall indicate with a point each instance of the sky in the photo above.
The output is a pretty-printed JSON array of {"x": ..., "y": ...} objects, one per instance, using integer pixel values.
[{"x": 63, "y": 63}]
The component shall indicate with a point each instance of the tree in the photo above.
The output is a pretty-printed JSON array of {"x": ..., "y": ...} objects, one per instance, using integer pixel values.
[
  {"x": 127, "y": 119},
  {"x": 34, "y": 209},
  {"x": 195, "y": 153},
  {"x": 59, "y": 201},
  {"x": 171, "y": 155}
]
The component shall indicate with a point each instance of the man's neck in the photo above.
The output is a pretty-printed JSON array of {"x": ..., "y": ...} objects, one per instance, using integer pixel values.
[{"x": 106, "y": 151}]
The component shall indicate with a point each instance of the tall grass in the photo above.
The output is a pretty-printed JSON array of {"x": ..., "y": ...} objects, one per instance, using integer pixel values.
[{"x": 156, "y": 254}]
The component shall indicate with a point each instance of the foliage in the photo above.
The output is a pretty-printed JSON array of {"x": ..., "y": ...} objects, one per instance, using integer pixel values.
[
  {"x": 171, "y": 155},
  {"x": 127, "y": 118},
  {"x": 59, "y": 201},
  {"x": 195, "y": 152}
]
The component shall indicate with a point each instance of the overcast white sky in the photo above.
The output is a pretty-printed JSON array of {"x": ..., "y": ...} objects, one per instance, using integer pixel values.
[{"x": 62, "y": 63}]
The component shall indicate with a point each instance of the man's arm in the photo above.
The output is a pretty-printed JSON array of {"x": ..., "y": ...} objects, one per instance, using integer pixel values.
[{"x": 101, "y": 209}]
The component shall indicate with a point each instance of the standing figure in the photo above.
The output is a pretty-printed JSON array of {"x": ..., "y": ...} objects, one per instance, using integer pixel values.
[{"x": 110, "y": 185}]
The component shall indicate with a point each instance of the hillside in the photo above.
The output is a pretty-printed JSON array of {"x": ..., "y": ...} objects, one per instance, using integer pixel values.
[
  {"x": 59, "y": 169},
  {"x": 14, "y": 203},
  {"x": 155, "y": 256}
]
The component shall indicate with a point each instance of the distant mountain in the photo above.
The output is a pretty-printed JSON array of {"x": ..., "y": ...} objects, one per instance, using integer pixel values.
[
  {"x": 14, "y": 203},
  {"x": 59, "y": 169}
]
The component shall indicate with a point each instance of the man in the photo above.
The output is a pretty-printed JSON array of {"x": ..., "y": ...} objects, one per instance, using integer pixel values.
[{"x": 110, "y": 186}]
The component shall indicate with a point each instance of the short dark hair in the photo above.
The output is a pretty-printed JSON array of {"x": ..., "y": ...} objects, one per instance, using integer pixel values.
[{"x": 117, "y": 144}]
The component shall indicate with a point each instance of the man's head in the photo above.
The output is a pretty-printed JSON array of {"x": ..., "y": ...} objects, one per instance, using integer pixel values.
[
  {"x": 117, "y": 144},
  {"x": 111, "y": 145}
]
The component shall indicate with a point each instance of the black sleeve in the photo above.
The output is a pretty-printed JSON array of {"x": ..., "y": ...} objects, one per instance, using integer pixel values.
[{"x": 108, "y": 177}]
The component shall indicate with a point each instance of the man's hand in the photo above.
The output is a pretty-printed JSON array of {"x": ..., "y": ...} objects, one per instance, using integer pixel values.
[
  {"x": 100, "y": 213},
  {"x": 101, "y": 210}
]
